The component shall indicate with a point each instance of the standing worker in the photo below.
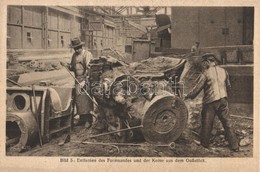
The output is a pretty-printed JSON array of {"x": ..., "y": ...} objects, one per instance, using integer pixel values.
[
  {"x": 79, "y": 65},
  {"x": 215, "y": 82},
  {"x": 195, "y": 48}
]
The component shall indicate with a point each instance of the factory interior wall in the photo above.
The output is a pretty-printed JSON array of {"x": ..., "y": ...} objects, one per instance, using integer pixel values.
[
  {"x": 211, "y": 26},
  {"x": 31, "y": 27}
]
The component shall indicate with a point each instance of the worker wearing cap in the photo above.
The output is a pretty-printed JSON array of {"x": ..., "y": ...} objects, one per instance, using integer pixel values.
[
  {"x": 79, "y": 65},
  {"x": 215, "y": 82}
]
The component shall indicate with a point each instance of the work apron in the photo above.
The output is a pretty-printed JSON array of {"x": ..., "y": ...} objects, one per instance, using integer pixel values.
[{"x": 83, "y": 103}]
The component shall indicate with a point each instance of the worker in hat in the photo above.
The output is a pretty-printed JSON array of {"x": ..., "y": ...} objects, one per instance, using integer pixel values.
[
  {"x": 195, "y": 48},
  {"x": 79, "y": 65},
  {"x": 214, "y": 81}
]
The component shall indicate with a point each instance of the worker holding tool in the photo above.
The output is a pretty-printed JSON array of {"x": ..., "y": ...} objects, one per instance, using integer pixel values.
[
  {"x": 215, "y": 82},
  {"x": 79, "y": 65}
]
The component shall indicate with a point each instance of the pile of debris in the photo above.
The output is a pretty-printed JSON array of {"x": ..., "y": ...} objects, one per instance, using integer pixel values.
[
  {"x": 129, "y": 100},
  {"x": 159, "y": 69}
]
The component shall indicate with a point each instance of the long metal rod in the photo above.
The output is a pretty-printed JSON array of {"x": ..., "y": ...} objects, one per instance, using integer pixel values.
[
  {"x": 16, "y": 83},
  {"x": 36, "y": 114},
  {"x": 102, "y": 143},
  {"x": 117, "y": 131},
  {"x": 82, "y": 88},
  {"x": 244, "y": 117},
  {"x": 171, "y": 145}
]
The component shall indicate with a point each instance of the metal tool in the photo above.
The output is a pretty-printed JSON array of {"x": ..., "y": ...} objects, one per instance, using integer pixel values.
[
  {"x": 16, "y": 83},
  {"x": 67, "y": 137},
  {"x": 82, "y": 88},
  {"x": 171, "y": 145},
  {"x": 243, "y": 117},
  {"x": 112, "y": 132}
]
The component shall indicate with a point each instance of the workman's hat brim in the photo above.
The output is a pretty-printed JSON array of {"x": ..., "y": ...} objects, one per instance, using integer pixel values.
[
  {"x": 76, "y": 42},
  {"x": 209, "y": 57}
]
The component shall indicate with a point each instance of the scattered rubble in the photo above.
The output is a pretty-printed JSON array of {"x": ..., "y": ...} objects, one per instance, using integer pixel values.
[{"x": 245, "y": 141}]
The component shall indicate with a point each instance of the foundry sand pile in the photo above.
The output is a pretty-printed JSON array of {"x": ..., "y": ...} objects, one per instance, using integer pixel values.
[{"x": 158, "y": 64}]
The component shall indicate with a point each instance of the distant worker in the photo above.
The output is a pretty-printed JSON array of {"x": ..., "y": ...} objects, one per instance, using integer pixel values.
[
  {"x": 79, "y": 65},
  {"x": 215, "y": 82},
  {"x": 195, "y": 48}
]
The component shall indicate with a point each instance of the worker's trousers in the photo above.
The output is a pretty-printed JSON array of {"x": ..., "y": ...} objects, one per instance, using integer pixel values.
[{"x": 209, "y": 111}]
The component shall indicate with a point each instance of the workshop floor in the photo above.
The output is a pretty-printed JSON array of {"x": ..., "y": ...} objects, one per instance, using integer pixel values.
[{"x": 185, "y": 146}]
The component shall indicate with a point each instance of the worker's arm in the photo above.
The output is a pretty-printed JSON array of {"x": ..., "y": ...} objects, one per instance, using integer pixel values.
[
  {"x": 228, "y": 84},
  {"x": 198, "y": 87},
  {"x": 68, "y": 65},
  {"x": 192, "y": 50},
  {"x": 88, "y": 58},
  {"x": 72, "y": 63}
]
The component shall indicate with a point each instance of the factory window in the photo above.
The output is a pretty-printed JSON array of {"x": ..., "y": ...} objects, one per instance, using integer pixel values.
[
  {"x": 49, "y": 41},
  {"x": 62, "y": 41},
  {"x": 225, "y": 31},
  {"x": 60, "y": 29},
  {"x": 27, "y": 27},
  {"x": 29, "y": 36}
]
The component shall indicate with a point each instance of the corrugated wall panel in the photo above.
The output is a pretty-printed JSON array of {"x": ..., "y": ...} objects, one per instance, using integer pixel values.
[
  {"x": 33, "y": 16},
  {"x": 76, "y": 28},
  {"x": 53, "y": 20},
  {"x": 14, "y": 15},
  {"x": 64, "y": 22},
  {"x": 53, "y": 39},
  {"x": 61, "y": 27},
  {"x": 66, "y": 40},
  {"x": 27, "y": 16},
  {"x": 36, "y": 38},
  {"x": 15, "y": 37}
]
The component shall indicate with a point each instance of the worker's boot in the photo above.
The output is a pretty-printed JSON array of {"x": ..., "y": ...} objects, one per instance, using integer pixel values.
[
  {"x": 99, "y": 126},
  {"x": 82, "y": 120},
  {"x": 89, "y": 121}
]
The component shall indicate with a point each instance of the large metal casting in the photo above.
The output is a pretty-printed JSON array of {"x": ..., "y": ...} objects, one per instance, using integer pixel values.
[
  {"x": 53, "y": 107},
  {"x": 165, "y": 117},
  {"x": 126, "y": 101}
]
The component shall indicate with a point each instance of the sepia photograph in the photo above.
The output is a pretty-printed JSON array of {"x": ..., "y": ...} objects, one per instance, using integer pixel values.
[{"x": 129, "y": 83}]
